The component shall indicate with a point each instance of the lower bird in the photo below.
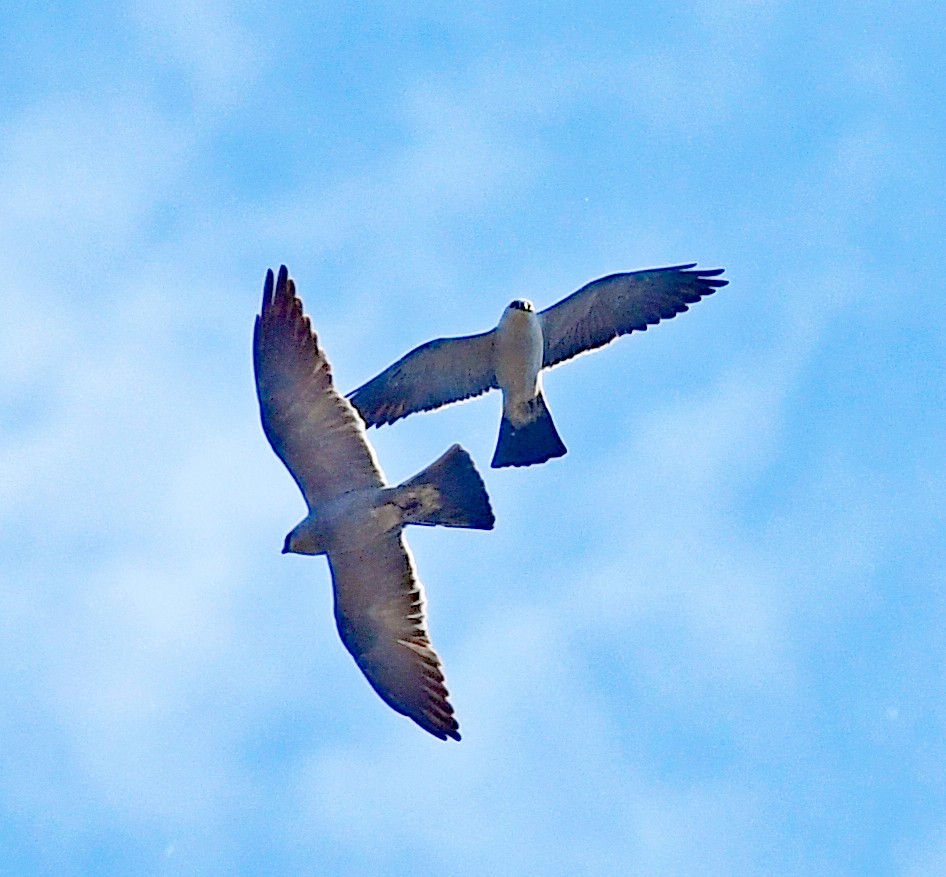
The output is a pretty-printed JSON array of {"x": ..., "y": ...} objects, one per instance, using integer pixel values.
[
  {"x": 511, "y": 357},
  {"x": 354, "y": 517}
]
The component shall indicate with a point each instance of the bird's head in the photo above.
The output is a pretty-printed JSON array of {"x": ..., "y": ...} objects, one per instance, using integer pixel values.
[
  {"x": 521, "y": 304},
  {"x": 305, "y": 538}
]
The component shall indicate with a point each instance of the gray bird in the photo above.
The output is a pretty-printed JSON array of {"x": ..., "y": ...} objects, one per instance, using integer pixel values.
[
  {"x": 511, "y": 357},
  {"x": 354, "y": 517}
]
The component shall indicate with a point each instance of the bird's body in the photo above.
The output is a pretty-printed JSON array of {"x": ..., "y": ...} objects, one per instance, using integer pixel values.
[
  {"x": 527, "y": 433},
  {"x": 517, "y": 356},
  {"x": 354, "y": 517},
  {"x": 360, "y": 514},
  {"x": 511, "y": 357}
]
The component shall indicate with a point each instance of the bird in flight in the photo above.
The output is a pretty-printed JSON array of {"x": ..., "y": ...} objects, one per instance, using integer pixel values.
[
  {"x": 354, "y": 517},
  {"x": 511, "y": 357}
]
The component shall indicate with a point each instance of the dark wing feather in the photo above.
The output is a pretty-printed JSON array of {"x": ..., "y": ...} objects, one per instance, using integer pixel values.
[
  {"x": 379, "y": 609},
  {"x": 436, "y": 373},
  {"x": 612, "y": 306},
  {"x": 313, "y": 428}
]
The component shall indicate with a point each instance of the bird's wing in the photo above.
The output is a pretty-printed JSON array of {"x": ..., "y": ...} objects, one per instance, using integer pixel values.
[
  {"x": 434, "y": 374},
  {"x": 313, "y": 428},
  {"x": 379, "y": 609},
  {"x": 612, "y": 306}
]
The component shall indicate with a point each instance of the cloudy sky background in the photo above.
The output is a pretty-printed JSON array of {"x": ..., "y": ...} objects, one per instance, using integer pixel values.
[{"x": 709, "y": 640}]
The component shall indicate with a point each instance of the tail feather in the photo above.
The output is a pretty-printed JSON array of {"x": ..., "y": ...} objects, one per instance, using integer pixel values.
[
  {"x": 535, "y": 441},
  {"x": 449, "y": 492}
]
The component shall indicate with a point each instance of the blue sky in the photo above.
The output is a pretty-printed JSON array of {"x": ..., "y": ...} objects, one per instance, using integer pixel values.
[{"x": 707, "y": 641}]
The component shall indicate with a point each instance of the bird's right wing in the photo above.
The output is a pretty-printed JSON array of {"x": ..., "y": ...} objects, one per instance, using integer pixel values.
[
  {"x": 436, "y": 373},
  {"x": 379, "y": 609},
  {"x": 618, "y": 304},
  {"x": 313, "y": 428}
]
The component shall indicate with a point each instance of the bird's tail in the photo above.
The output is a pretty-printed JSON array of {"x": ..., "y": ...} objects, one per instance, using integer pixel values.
[
  {"x": 534, "y": 441},
  {"x": 449, "y": 492}
]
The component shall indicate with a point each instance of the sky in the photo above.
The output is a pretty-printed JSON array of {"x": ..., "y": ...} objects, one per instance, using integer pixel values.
[{"x": 708, "y": 641}]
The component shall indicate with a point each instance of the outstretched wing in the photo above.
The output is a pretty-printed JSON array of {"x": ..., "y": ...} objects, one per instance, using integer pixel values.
[
  {"x": 379, "y": 609},
  {"x": 313, "y": 428},
  {"x": 617, "y": 304},
  {"x": 434, "y": 374}
]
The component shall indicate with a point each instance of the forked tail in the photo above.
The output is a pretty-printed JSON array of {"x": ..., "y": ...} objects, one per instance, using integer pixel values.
[
  {"x": 449, "y": 492},
  {"x": 535, "y": 441}
]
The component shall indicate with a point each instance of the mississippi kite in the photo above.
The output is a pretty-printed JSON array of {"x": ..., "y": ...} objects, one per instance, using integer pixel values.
[
  {"x": 511, "y": 356},
  {"x": 354, "y": 517}
]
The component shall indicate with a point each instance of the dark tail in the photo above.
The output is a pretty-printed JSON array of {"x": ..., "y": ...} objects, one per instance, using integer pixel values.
[
  {"x": 449, "y": 492},
  {"x": 535, "y": 441}
]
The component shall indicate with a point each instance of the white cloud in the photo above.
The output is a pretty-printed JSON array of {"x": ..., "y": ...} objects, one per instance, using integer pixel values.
[
  {"x": 80, "y": 175},
  {"x": 207, "y": 42}
]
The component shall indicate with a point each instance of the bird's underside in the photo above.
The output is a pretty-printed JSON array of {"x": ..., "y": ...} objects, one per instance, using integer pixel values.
[
  {"x": 449, "y": 370},
  {"x": 379, "y": 602}
]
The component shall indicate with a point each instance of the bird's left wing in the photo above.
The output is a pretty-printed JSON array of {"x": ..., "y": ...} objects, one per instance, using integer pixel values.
[
  {"x": 313, "y": 428},
  {"x": 618, "y": 304},
  {"x": 379, "y": 609},
  {"x": 434, "y": 374}
]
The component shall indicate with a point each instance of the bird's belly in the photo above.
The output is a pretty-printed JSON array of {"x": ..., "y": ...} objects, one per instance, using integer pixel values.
[
  {"x": 518, "y": 361},
  {"x": 355, "y": 519}
]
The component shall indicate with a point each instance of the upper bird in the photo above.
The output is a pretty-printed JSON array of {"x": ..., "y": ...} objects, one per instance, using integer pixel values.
[
  {"x": 354, "y": 517},
  {"x": 511, "y": 356}
]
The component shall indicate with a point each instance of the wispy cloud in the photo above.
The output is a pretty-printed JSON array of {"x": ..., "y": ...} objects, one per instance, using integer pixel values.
[{"x": 216, "y": 55}]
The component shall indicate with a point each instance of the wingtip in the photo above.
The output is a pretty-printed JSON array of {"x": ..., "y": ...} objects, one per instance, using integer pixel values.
[
  {"x": 373, "y": 413},
  {"x": 276, "y": 286},
  {"x": 708, "y": 278},
  {"x": 445, "y": 735},
  {"x": 267, "y": 290},
  {"x": 449, "y": 730},
  {"x": 711, "y": 276}
]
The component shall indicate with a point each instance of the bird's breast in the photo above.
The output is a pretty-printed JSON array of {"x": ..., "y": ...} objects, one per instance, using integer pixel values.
[
  {"x": 349, "y": 521},
  {"x": 518, "y": 353}
]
